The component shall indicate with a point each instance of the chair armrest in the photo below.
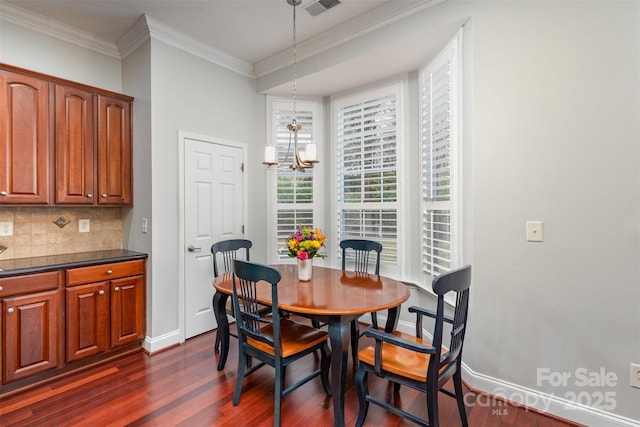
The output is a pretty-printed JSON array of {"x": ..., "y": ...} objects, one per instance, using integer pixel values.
[
  {"x": 381, "y": 336},
  {"x": 424, "y": 312}
]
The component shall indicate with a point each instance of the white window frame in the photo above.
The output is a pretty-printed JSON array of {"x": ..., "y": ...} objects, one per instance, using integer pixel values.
[
  {"x": 398, "y": 87},
  {"x": 451, "y": 52},
  {"x": 275, "y": 104}
]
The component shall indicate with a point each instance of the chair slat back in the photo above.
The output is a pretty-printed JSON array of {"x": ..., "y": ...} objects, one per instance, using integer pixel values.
[
  {"x": 254, "y": 318},
  {"x": 228, "y": 251},
  {"x": 458, "y": 281},
  {"x": 360, "y": 250}
]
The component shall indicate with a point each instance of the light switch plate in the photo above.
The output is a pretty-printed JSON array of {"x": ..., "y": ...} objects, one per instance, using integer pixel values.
[
  {"x": 534, "y": 231},
  {"x": 6, "y": 228},
  {"x": 84, "y": 225}
]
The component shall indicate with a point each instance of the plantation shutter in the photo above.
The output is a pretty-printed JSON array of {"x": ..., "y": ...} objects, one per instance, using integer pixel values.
[
  {"x": 438, "y": 139},
  {"x": 367, "y": 129},
  {"x": 294, "y": 189}
]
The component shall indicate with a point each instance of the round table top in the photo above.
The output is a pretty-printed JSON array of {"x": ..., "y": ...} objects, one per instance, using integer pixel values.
[{"x": 329, "y": 292}]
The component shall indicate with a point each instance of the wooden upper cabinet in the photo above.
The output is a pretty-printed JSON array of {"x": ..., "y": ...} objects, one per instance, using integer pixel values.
[
  {"x": 63, "y": 142},
  {"x": 75, "y": 172},
  {"x": 114, "y": 151},
  {"x": 25, "y": 141}
]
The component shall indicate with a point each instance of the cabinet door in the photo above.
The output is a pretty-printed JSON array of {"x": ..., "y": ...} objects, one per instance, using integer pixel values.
[
  {"x": 74, "y": 146},
  {"x": 87, "y": 320},
  {"x": 31, "y": 334},
  {"x": 127, "y": 310},
  {"x": 114, "y": 151},
  {"x": 24, "y": 139}
]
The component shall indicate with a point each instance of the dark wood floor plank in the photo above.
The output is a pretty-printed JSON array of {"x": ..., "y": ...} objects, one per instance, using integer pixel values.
[{"x": 181, "y": 387}]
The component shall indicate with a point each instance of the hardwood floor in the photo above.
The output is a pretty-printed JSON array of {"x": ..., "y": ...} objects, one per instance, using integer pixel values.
[{"x": 181, "y": 387}]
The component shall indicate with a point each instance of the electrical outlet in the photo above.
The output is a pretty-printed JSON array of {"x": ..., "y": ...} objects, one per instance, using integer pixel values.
[
  {"x": 635, "y": 375},
  {"x": 6, "y": 228},
  {"x": 534, "y": 231},
  {"x": 84, "y": 226},
  {"x": 145, "y": 225}
]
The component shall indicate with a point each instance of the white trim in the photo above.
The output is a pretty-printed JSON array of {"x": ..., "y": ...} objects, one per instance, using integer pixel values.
[
  {"x": 56, "y": 29},
  {"x": 168, "y": 35},
  {"x": 161, "y": 342},
  {"x": 379, "y": 17},
  {"x": 544, "y": 402},
  {"x": 182, "y": 136}
]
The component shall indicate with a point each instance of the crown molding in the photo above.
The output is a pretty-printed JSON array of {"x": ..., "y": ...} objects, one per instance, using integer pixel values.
[
  {"x": 137, "y": 34},
  {"x": 52, "y": 28},
  {"x": 144, "y": 28},
  {"x": 379, "y": 17},
  {"x": 168, "y": 35}
]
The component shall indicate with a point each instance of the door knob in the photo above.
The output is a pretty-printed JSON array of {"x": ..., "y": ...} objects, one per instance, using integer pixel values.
[{"x": 192, "y": 248}]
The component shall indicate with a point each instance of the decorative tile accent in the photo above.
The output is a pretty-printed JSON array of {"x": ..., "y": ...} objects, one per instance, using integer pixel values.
[
  {"x": 36, "y": 235},
  {"x": 61, "y": 221}
]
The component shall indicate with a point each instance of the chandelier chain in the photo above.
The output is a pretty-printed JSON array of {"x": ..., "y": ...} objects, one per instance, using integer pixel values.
[{"x": 294, "y": 61}]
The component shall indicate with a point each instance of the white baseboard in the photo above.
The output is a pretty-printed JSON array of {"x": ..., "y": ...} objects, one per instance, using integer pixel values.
[
  {"x": 498, "y": 391},
  {"x": 153, "y": 345},
  {"x": 541, "y": 402}
]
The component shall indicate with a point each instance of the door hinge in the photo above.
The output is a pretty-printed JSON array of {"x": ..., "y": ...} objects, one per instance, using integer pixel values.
[
  {"x": 243, "y": 229},
  {"x": 242, "y": 167}
]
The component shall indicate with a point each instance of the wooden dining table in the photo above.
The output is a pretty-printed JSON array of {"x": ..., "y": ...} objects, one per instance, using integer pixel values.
[{"x": 333, "y": 296}]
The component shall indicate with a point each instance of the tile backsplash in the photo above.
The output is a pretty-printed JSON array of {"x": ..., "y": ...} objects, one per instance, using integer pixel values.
[{"x": 35, "y": 234}]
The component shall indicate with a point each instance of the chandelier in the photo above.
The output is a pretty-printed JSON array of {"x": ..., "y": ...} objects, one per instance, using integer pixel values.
[{"x": 302, "y": 160}]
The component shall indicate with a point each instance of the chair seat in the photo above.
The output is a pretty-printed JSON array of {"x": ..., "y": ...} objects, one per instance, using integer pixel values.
[
  {"x": 296, "y": 337},
  {"x": 398, "y": 360}
]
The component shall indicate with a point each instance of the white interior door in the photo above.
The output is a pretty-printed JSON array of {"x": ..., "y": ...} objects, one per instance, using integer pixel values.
[{"x": 213, "y": 179}]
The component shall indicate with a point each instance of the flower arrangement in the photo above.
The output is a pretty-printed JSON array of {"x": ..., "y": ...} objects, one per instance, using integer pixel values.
[{"x": 306, "y": 242}]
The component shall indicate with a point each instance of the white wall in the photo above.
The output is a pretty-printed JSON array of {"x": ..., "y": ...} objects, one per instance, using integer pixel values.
[
  {"x": 554, "y": 136},
  {"x": 190, "y": 94},
  {"x": 136, "y": 69},
  {"x": 35, "y": 51}
]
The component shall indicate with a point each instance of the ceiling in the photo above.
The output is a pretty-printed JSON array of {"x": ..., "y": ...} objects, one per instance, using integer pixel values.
[{"x": 255, "y": 31}]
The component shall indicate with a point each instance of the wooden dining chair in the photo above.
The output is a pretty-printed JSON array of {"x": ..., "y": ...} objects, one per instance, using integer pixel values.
[
  {"x": 228, "y": 250},
  {"x": 409, "y": 360},
  {"x": 360, "y": 251},
  {"x": 271, "y": 339}
]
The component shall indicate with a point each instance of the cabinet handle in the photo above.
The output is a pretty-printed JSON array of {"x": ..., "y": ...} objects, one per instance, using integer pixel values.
[
  {"x": 1, "y": 289},
  {"x": 104, "y": 195},
  {"x": 109, "y": 271},
  {"x": 116, "y": 289},
  {"x": 10, "y": 310},
  {"x": 3, "y": 193},
  {"x": 101, "y": 292},
  {"x": 90, "y": 196}
]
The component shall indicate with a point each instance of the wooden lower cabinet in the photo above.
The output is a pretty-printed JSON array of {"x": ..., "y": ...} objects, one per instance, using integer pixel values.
[
  {"x": 104, "y": 314},
  {"x": 57, "y": 321},
  {"x": 87, "y": 320},
  {"x": 32, "y": 329},
  {"x": 127, "y": 310}
]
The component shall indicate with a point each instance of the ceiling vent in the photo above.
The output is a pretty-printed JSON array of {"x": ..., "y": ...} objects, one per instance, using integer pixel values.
[{"x": 320, "y": 6}]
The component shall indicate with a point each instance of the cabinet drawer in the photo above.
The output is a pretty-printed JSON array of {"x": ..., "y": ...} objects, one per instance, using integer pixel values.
[
  {"x": 96, "y": 273},
  {"x": 29, "y": 283}
]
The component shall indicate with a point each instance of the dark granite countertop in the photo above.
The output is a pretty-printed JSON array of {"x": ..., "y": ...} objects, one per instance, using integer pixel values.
[{"x": 12, "y": 267}]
